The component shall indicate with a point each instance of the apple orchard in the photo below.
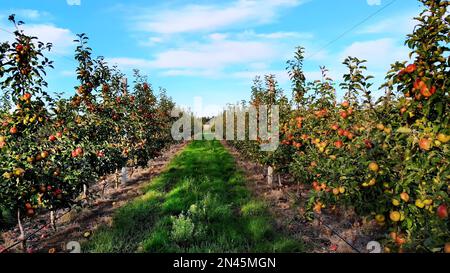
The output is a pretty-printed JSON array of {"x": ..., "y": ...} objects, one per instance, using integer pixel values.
[
  {"x": 386, "y": 158},
  {"x": 52, "y": 149}
]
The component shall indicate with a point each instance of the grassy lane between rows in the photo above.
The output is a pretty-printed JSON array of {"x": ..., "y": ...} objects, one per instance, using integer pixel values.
[{"x": 199, "y": 204}]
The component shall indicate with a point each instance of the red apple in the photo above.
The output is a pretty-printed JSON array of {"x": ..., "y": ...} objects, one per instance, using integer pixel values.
[
  {"x": 30, "y": 212},
  {"x": 427, "y": 92},
  {"x": 446, "y": 248},
  {"x": 339, "y": 144},
  {"x": 57, "y": 191},
  {"x": 410, "y": 68},
  {"x": 419, "y": 84},
  {"x": 27, "y": 96},
  {"x": 316, "y": 186},
  {"x": 400, "y": 240},
  {"x": 442, "y": 211},
  {"x": 368, "y": 143},
  {"x": 51, "y": 138},
  {"x": 19, "y": 48},
  {"x": 425, "y": 144},
  {"x": 79, "y": 151},
  {"x": 13, "y": 130}
]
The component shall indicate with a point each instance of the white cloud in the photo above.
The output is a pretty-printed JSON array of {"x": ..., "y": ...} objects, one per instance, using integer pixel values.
[
  {"x": 215, "y": 55},
  {"x": 285, "y": 35},
  {"x": 156, "y": 39},
  {"x": 130, "y": 62},
  {"x": 316, "y": 55},
  {"x": 192, "y": 73},
  {"x": 258, "y": 66},
  {"x": 24, "y": 14},
  {"x": 218, "y": 36},
  {"x": 402, "y": 24},
  {"x": 29, "y": 14},
  {"x": 313, "y": 75},
  {"x": 61, "y": 38},
  {"x": 73, "y": 2},
  {"x": 374, "y": 2},
  {"x": 250, "y": 34},
  {"x": 195, "y": 18},
  {"x": 152, "y": 41},
  {"x": 213, "y": 60},
  {"x": 281, "y": 76},
  {"x": 378, "y": 53}
]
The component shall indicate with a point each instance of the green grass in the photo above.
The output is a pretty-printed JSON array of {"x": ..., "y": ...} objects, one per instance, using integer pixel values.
[{"x": 199, "y": 204}]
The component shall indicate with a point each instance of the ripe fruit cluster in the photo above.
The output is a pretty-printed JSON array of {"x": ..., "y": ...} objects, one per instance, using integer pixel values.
[
  {"x": 52, "y": 147},
  {"x": 388, "y": 159}
]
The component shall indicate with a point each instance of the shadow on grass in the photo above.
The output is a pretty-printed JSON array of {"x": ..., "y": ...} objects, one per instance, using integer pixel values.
[{"x": 199, "y": 204}]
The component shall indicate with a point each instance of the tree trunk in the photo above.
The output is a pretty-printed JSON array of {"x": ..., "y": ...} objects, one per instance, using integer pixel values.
[
  {"x": 117, "y": 180},
  {"x": 270, "y": 175},
  {"x": 279, "y": 180},
  {"x": 124, "y": 178},
  {"x": 85, "y": 191},
  {"x": 53, "y": 220},
  {"x": 104, "y": 185},
  {"x": 22, "y": 232}
]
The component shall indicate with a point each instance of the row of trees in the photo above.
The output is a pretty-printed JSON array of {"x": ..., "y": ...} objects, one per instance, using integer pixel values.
[
  {"x": 388, "y": 159},
  {"x": 53, "y": 148}
]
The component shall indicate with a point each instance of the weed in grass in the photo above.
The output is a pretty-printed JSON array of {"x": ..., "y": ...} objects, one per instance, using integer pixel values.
[{"x": 199, "y": 204}]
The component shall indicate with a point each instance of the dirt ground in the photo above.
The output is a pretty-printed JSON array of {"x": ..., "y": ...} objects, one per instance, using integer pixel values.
[
  {"x": 78, "y": 224},
  {"x": 341, "y": 231}
]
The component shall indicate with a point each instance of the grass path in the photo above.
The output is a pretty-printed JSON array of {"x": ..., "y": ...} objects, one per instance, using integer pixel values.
[{"x": 199, "y": 204}]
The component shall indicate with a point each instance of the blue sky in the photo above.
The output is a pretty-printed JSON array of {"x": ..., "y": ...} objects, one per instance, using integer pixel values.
[{"x": 213, "y": 49}]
